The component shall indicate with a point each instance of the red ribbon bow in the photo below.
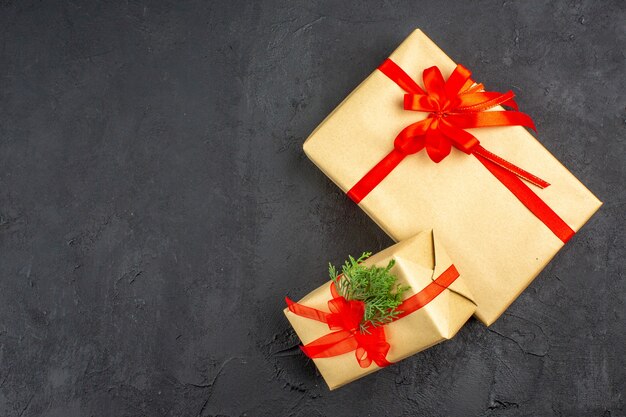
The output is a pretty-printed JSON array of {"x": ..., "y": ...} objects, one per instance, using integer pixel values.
[
  {"x": 454, "y": 105},
  {"x": 345, "y": 318}
]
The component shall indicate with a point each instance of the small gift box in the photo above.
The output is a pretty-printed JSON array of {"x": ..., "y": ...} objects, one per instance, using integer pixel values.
[
  {"x": 419, "y": 144},
  {"x": 434, "y": 306}
]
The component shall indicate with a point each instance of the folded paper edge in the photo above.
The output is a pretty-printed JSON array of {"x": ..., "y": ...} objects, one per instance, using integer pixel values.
[{"x": 442, "y": 260}]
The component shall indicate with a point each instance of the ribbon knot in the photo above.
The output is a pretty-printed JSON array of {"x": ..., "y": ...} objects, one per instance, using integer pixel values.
[
  {"x": 345, "y": 315},
  {"x": 452, "y": 106},
  {"x": 345, "y": 318}
]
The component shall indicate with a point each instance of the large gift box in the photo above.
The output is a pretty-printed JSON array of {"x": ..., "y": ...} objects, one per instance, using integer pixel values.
[
  {"x": 500, "y": 223},
  {"x": 435, "y": 306}
]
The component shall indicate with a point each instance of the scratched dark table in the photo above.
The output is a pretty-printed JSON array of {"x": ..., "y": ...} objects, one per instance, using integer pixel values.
[{"x": 156, "y": 206}]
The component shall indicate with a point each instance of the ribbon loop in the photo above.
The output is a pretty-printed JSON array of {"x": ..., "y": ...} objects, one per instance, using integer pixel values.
[
  {"x": 419, "y": 102},
  {"x": 457, "y": 80},
  {"x": 435, "y": 86},
  {"x": 463, "y": 140},
  {"x": 370, "y": 346},
  {"x": 411, "y": 139},
  {"x": 437, "y": 145},
  {"x": 454, "y": 105}
]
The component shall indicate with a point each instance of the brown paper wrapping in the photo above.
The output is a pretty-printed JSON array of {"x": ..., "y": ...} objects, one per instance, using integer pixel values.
[
  {"x": 419, "y": 260},
  {"x": 496, "y": 242}
]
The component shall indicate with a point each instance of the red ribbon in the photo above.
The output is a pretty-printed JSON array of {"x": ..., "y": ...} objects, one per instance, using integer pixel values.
[
  {"x": 453, "y": 105},
  {"x": 345, "y": 318}
]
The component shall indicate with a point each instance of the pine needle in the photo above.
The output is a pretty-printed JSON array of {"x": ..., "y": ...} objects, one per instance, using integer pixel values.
[{"x": 377, "y": 287}]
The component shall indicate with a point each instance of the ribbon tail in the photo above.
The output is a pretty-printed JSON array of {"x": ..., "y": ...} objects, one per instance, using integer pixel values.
[
  {"x": 437, "y": 146},
  {"x": 332, "y": 344},
  {"x": 479, "y": 102},
  {"x": 307, "y": 312},
  {"x": 470, "y": 87},
  {"x": 528, "y": 198},
  {"x": 514, "y": 169},
  {"x": 491, "y": 119},
  {"x": 510, "y": 103}
]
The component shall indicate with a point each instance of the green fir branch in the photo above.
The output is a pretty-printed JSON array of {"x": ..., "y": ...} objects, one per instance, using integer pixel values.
[{"x": 377, "y": 287}]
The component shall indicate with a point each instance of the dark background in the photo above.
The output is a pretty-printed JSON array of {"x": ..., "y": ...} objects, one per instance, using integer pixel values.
[{"x": 156, "y": 207}]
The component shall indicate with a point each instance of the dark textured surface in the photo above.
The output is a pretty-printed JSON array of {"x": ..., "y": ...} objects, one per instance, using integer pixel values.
[{"x": 156, "y": 206}]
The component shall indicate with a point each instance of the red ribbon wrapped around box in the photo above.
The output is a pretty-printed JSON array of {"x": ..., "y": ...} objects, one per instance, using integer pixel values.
[
  {"x": 434, "y": 307},
  {"x": 454, "y": 105},
  {"x": 345, "y": 318},
  {"x": 500, "y": 232}
]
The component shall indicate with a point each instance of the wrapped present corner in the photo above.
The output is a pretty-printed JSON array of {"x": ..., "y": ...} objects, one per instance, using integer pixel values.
[
  {"x": 434, "y": 308},
  {"x": 420, "y": 145}
]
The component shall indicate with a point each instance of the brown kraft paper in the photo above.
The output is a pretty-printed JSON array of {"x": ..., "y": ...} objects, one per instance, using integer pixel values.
[
  {"x": 419, "y": 260},
  {"x": 496, "y": 242}
]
